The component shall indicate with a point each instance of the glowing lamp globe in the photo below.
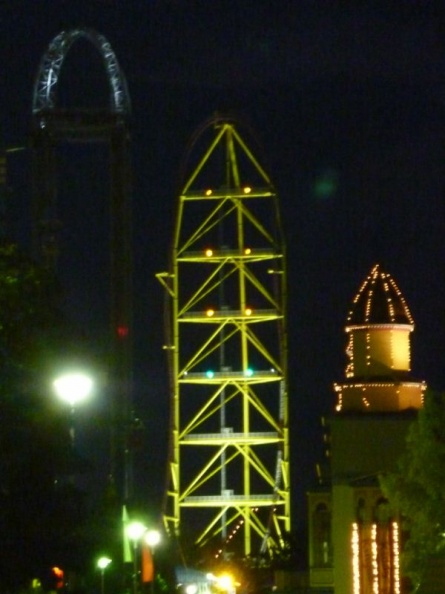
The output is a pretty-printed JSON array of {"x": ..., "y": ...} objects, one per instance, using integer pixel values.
[
  {"x": 135, "y": 531},
  {"x": 73, "y": 387},
  {"x": 103, "y": 563},
  {"x": 152, "y": 538}
]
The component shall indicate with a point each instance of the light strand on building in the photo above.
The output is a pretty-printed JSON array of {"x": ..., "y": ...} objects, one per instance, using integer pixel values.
[
  {"x": 396, "y": 556},
  {"x": 355, "y": 546},
  {"x": 375, "y": 563}
]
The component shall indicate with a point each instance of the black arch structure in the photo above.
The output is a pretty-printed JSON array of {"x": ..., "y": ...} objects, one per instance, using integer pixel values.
[{"x": 51, "y": 127}]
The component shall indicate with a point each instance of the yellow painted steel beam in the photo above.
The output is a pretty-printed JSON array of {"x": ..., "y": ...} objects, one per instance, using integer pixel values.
[{"x": 228, "y": 454}]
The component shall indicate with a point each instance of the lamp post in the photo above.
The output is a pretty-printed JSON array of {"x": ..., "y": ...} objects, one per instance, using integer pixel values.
[
  {"x": 102, "y": 564},
  {"x": 152, "y": 539},
  {"x": 135, "y": 532},
  {"x": 73, "y": 388}
]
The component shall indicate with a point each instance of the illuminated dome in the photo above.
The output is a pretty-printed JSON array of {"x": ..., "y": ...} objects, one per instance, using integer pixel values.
[
  {"x": 378, "y": 369},
  {"x": 379, "y": 301}
]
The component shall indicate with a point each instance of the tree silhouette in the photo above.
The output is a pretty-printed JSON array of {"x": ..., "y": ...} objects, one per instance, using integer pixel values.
[
  {"x": 417, "y": 489},
  {"x": 42, "y": 514}
]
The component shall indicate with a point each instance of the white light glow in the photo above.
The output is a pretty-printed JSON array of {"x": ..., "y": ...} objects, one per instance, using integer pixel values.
[{"x": 73, "y": 387}]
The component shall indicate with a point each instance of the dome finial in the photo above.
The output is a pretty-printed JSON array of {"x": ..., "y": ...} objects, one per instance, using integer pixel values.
[{"x": 379, "y": 301}]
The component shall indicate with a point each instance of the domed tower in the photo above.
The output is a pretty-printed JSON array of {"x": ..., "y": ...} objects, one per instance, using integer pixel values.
[
  {"x": 354, "y": 538},
  {"x": 378, "y": 376}
]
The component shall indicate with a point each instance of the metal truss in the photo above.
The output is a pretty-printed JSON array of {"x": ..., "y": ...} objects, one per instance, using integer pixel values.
[
  {"x": 44, "y": 97},
  {"x": 229, "y": 463}
]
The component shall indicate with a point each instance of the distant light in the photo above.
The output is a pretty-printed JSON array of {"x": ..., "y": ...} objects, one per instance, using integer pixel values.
[
  {"x": 122, "y": 331},
  {"x": 208, "y": 192},
  {"x": 248, "y": 311},
  {"x": 209, "y": 253},
  {"x": 226, "y": 581},
  {"x": 247, "y": 190},
  {"x": 191, "y": 589},
  {"x": 210, "y": 313},
  {"x": 247, "y": 251},
  {"x": 103, "y": 562},
  {"x": 59, "y": 575},
  {"x": 248, "y": 372},
  {"x": 210, "y": 374},
  {"x": 326, "y": 184}
]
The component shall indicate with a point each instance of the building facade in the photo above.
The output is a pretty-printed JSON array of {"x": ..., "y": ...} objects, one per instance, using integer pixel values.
[{"x": 354, "y": 541}]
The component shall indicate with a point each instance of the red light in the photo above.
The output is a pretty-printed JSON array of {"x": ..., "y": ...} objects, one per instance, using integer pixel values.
[
  {"x": 122, "y": 331},
  {"x": 58, "y": 576}
]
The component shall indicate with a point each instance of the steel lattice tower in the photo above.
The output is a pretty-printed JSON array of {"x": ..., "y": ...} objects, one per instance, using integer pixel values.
[{"x": 229, "y": 462}]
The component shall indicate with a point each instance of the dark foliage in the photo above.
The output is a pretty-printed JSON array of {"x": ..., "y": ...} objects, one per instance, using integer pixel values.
[
  {"x": 417, "y": 489},
  {"x": 44, "y": 519}
]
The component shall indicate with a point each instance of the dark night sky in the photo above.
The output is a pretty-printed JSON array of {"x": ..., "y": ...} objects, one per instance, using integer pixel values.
[{"x": 350, "y": 90}]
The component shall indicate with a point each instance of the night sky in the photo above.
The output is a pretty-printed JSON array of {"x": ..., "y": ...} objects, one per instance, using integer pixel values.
[{"x": 348, "y": 99}]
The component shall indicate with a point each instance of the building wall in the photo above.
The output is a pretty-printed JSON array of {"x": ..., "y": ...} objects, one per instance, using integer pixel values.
[
  {"x": 379, "y": 350},
  {"x": 320, "y": 539},
  {"x": 366, "y": 445},
  {"x": 342, "y": 518}
]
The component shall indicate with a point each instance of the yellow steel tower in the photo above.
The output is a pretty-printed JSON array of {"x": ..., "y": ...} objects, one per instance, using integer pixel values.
[{"x": 229, "y": 461}]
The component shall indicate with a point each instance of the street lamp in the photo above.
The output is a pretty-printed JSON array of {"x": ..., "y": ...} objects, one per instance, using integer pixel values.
[
  {"x": 102, "y": 564},
  {"x": 152, "y": 538},
  {"x": 73, "y": 388},
  {"x": 135, "y": 532}
]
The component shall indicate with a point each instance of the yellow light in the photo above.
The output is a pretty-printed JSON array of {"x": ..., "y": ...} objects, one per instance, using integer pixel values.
[
  {"x": 209, "y": 253},
  {"x": 225, "y": 582},
  {"x": 248, "y": 311},
  {"x": 247, "y": 251},
  {"x": 355, "y": 546},
  {"x": 208, "y": 192},
  {"x": 396, "y": 556},
  {"x": 247, "y": 190},
  {"x": 210, "y": 313},
  {"x": 375, "y": 565}
]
